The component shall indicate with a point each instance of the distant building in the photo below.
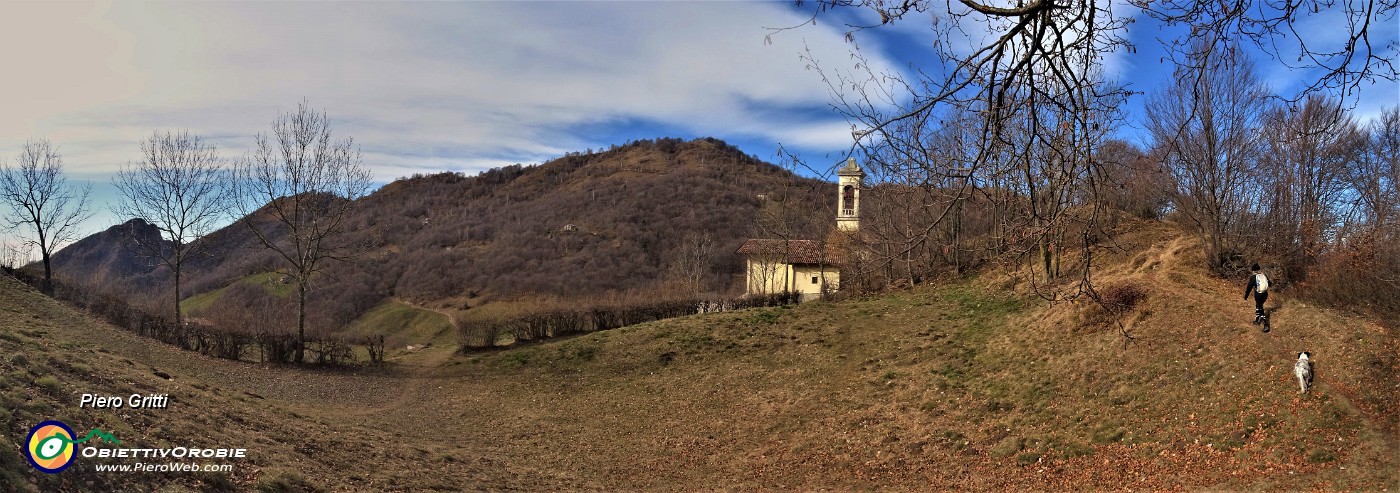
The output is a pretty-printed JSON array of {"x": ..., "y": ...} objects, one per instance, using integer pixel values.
[
  {"x": 788, "y": 266},
  {"x": 804, "y": 266}
]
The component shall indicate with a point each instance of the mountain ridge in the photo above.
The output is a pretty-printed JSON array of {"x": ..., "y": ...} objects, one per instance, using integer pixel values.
[{"x": 582, "y": 224}]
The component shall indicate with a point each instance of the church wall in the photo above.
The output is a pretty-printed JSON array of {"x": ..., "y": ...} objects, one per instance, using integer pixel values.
[
  {"x": 829, "y": 278},
  {"x": 767, "y": 275}
]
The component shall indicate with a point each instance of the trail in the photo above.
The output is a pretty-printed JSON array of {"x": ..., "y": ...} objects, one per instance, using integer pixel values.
[
  {"x": 414, "y": 377},
  {"x": 1294, "y": 328}
]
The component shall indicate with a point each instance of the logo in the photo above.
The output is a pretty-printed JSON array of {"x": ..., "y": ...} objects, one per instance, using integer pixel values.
[{"x": 51, "y": 447}]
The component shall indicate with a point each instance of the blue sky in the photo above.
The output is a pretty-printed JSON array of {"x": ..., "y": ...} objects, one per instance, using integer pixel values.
[{"x": 460, "y": 86}]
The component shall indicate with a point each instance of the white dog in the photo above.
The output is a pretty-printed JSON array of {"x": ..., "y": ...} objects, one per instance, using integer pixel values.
[{"x": 1303, "y": 370}]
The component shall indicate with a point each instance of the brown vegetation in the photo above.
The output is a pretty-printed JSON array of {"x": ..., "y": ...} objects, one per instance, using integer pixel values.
[
  {"x": 238, "y": 332},
  {"x": 646, "y": 215},
  {"x": 561, "y": 321}
]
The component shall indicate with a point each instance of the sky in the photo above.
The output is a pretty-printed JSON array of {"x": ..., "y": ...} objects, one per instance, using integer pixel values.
[{"x": 425, "y": 87}]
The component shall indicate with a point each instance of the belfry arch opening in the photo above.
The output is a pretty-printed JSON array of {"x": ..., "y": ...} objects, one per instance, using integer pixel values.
[{"x": 848, "y": 200}]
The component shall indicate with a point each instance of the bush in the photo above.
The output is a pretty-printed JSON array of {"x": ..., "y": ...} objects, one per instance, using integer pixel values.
[
  {"x": 330, "y": 350},
  {"x": 1113, "y": 301},
  {"x": 247, "y": 324},
  {"x": 559, "y": 322},
  {"x": 374, "y": 345},
  {"x": 1363, "y": 274},
  {"x": 1121, "y": 298}
]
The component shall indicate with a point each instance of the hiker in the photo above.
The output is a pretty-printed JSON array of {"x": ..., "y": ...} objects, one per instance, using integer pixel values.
[{"x": 1259, "y": 285}]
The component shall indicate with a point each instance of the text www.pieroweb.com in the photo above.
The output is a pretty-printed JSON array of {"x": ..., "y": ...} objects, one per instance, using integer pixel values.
[{"x": 164, "y": 467}]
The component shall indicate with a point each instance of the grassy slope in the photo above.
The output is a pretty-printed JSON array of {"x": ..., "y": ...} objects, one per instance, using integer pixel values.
[
  {"x": 403, "y": 324},
  {"x": 955, "y": 387},
  {"x": 50, "y": 355},
  {"x": 270, "y": 281},
  {"x": 967, "y": 386}
]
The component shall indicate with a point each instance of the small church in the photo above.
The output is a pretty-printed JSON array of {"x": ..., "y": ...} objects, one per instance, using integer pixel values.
[{"x": 805, "y": 266}]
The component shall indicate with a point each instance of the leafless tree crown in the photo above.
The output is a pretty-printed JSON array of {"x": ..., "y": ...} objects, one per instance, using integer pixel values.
[
  {"x": 181, "y": 188},
  {"x": 41, "y": 202},
  {"x": 997, "y": 135},
  {"x": 298, "y": 187}
]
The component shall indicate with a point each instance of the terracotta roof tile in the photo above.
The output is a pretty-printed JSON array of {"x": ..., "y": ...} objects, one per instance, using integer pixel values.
[{"x": 793, "y": 251}]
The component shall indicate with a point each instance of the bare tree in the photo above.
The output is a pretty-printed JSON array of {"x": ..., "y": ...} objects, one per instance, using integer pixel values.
[
  {"x": 13, "y": 255},
  {"x": 1204, "y": 128},
  {"x": 1134, "y": 182},
  {"x": 298, "y": 188},
  {"x": 180, "y": 188},
  {"x": 1279, "y": 28},
  {"x": 1376, "y": 177},
  {"x": 1033, "y": 85},
  {"x": 1308, "y": 150},
  {"x": 1054, "y": 38},
  {"x": 41, "y": 201},
  {"x": 693, "y": 262},
  {"x": 1033, "y": 90},
  {"x": 786, "y": 218},
  {"x": 1013, "y": 122}
]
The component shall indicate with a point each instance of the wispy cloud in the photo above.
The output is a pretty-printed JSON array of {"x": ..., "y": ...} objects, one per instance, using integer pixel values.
[{"x": 422, "y": 86}]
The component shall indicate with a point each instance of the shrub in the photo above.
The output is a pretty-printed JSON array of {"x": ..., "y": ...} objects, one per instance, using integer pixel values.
[
  {"x": 1121, "y": 298},
  {"x": 1113, "y": 301},
  {"x": 374, "y": 345},
  {"x": 329, "y": 350},
  {"x": 246, "y": 319},
  {"x": 558, "y": 322},
  {"x": 1361, "y": 274}
]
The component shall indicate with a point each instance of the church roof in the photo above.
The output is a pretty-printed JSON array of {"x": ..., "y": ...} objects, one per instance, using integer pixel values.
[{"x": 794, "y": 252}]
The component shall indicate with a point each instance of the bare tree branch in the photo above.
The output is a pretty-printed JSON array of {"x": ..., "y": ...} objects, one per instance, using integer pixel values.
[
  {"x": 42, "y": 202},
  {"x": 297, "y": 189},
  {"x": 180, "y": 188}
]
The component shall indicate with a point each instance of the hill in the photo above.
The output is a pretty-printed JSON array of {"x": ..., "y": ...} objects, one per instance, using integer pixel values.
[
  {"x": 972, "y": 385},
  {"x": 114, "y": 257},
  {"x": 585, "y": 224}
]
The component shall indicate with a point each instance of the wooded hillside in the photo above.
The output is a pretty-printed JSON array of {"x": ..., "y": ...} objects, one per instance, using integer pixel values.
[{"x": 649, "y": 215}]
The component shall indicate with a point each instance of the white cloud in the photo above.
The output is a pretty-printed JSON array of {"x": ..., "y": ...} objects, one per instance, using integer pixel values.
[{"x": 419, "y": 85}]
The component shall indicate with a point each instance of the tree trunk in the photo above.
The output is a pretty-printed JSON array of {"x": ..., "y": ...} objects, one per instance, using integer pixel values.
[
  {"x": 1045, "y": 258},
  {"x": 48, "y": 272},
  {"x": 1212, "y": 247},
  {"x": 179, "y": 322},
  {"x": 301, "y": 319}
]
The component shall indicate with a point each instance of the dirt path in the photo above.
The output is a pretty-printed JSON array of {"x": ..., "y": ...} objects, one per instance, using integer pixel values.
[
  {"x": 413, "y": 387},
  {"x": 1295, "y": 327}
]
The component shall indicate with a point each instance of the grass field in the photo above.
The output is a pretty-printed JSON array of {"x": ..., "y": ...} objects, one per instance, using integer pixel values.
[
  {"x": 973, "y": 385},
  {"x": 270, "y": 281},
  {"x": 405, "y": 325}
]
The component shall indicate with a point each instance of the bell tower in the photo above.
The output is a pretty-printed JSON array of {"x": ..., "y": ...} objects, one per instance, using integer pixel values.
[{"x": 850, "y": 180}]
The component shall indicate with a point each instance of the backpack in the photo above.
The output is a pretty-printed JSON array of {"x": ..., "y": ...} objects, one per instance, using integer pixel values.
[{"x": 1261, "y": 283}]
